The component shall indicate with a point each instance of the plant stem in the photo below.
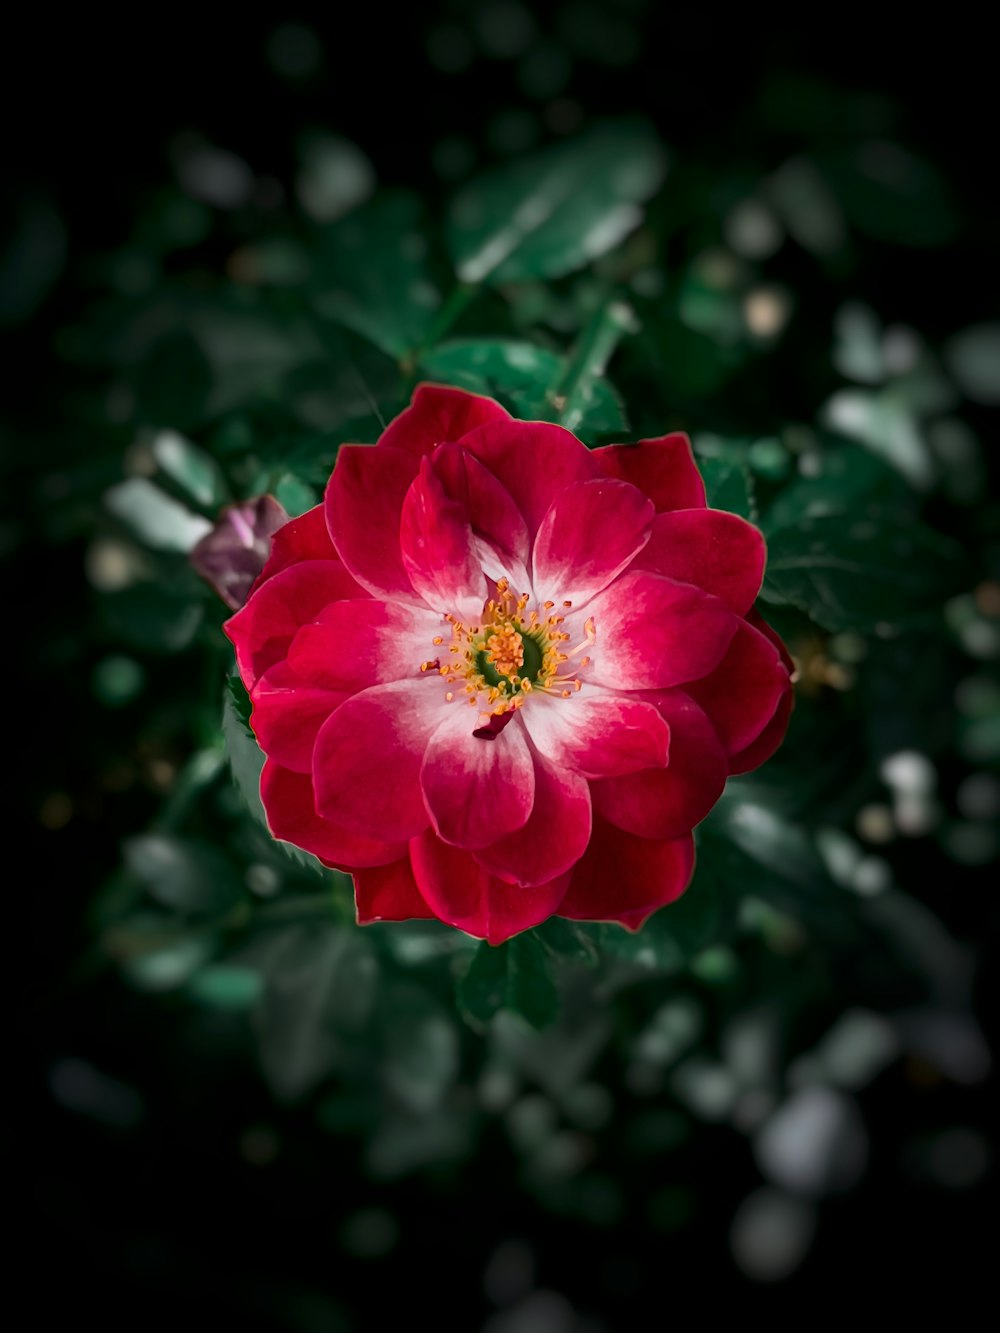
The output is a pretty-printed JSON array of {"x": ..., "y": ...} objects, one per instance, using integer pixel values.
[
  {"x": 589, "y": 357},
  {"x": 458, "y": 299}
]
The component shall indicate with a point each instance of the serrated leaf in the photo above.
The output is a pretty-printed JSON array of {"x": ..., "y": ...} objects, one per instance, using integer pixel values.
[
  {"x": 246, "y": 762},
  {"x": 551, "y": 212},
  {"x": 514, "y": 976},
  {"x": 372, "y": 274},
  {"x": 859, "y": 571}
]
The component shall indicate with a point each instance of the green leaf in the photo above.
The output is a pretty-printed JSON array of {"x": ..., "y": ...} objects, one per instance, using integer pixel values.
[
  {"x": 568, "y": 941},
  {"x": 173, "y": 383},
  {"x": 891, "y": 194},
  {"x": 372, "y": 274},
  {"x": 224, "y": 986},
  {"x": 185, "y": 874},
  {"x": 320, "y": 983},
  {"x": 195, "y": 471},
  {"x": 149, "y": 617},
  {"x": 294, "y": 495},
  {"x": 511, "y": 976},
  {"x": 750, "y": 850},
  {"x": 842, "y": 479},
  {"x": 973, "y": 357},
  {"x": 421, "y": 1057},
  {"x": 859, "y": 571},
  {"x": 241, "y": 701},
  {"x": 525, "y": 378},
  {"x": 546, "y": 214},
  {"x": 156, "y": 518},
  {"x": 729, "y": 485},
  {"x": 669, "y": 939},
  {"x": 246, "y": 762}
]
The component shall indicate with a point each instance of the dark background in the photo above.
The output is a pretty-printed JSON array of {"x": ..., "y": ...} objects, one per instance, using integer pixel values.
[{"x": 191, "y": 1215}]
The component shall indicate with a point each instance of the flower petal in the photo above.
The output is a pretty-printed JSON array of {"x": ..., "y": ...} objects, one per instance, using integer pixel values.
[
  {"x": 664, "y": 469},
  {"x": 653, "y": 633},
  {"x": 291, "y": 816},
  {"x": 231, "y": 558},
  {"x": 364, "y": 501},
  {"x": 498, "y": 527},
  {"x": 592, "y": 531},
  {"x": 302, "y": 538},
  {"x": 760, "y": 750},
  {"x": 389, "y": 893},
  {"x": 287, "y": 715},
  {"x": 533, "y": 460},
  {"x": 753, "y": 755},
  {"x": 598, "y": 733},
  {"x": 366, "y": 764},
  {"x": 262, "y": 630},
  {"x": 743, "y": 692},
  {"x": 555, "y": 835},
  {"x": 624, "y": 878},
  {"x": 439, "y": 415},
  {"x": 438, "y": 550},
  {"x": 465, "y": 895},
  {"x": 668, "y": 802},
  {"x": 354, "y": 645},
  {"x": 720, "y": 552},
  {"x": 477, "y": 788}
]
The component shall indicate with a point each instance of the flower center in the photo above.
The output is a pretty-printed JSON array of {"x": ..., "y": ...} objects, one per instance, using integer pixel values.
[{"x": 511, "y": 654}]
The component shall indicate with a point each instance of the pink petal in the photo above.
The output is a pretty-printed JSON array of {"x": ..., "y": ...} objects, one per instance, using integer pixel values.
[
  {"x": 302, "y": 538},
  {"x": 669, "y": 802},
  {"x": 624, "y": 878},
  {"x": 592, "y": 531},
  {"x": 653, "y": 633},
  {"x": 389, "y": 893},
  {"x": 287, "y": 715},
  {"x": 773, "y": 734},
  {"x": 439, "y": 415},
  {"x": 555, "y": 835},
  {"x": 291, "y": 816},
  {"x": 743, "y": 692},
  {"x": 664, "y": 469},
  {"x": 598, "y": 733},
  {"x": 438, "y": 550},
  {"x": 366, "y": 764},
  {"x": 364, "y": 502},
  {"x": 353, "y": 645},
  {"x": 533, "y": 460},
  {"x": 498, "y": 527},
  {"x": 760, "y": 750},
  {"x": 262, "y": 630},
  {"x": 476, "y": 789},
  {"x": 720, "y": 552},
  {"x": 463, "y": 894}
]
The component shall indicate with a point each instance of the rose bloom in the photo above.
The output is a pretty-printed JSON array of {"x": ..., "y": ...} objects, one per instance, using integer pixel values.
[{"x": 498, "y": 675}]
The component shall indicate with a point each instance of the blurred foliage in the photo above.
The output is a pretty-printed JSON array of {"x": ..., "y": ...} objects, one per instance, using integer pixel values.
[{"x": 234, "y": 339}]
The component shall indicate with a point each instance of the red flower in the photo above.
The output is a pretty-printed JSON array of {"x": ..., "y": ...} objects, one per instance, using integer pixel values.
[{"x": 500, "y": 676}]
